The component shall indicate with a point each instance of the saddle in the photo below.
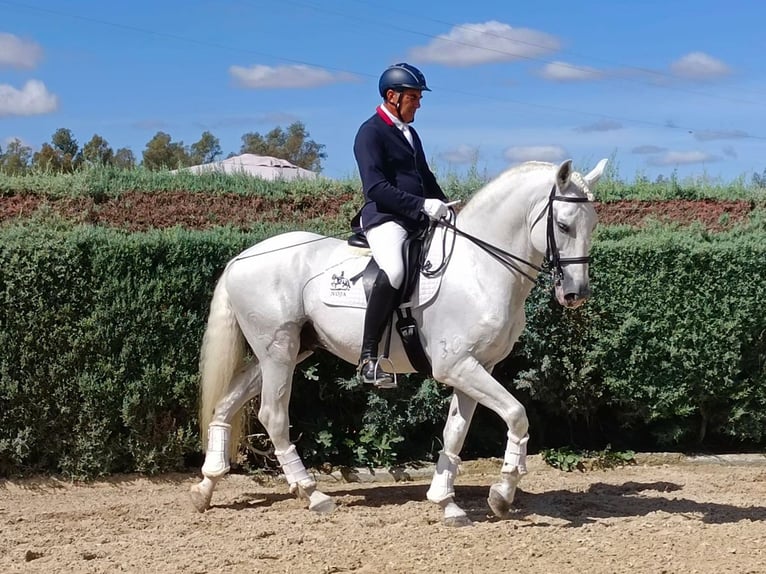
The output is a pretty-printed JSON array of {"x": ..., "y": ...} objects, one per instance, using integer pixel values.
[{"x": 412, "y": 252}]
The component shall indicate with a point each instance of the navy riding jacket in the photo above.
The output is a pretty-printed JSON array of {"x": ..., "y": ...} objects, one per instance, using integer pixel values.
[{"x": 395, "y": 175}]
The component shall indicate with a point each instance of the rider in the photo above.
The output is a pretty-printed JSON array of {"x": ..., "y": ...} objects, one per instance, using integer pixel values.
[{"x": 399, "y": 188}]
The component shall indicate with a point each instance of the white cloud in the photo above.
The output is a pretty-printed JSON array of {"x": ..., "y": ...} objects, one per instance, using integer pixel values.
[
  {"x": 699, "y": 66},
  {"x": 646, "y": 149},
  {"x": 33, "y": 99},
  {"x": 461, "y": 154},
  {"x": 470, "y": 44},
  {"x": 682, "y": 158},
  {"x": 271, "y": 119},
  {"x": 729, "y": 151},
  {"x": 16, "y": 52},
  {"x": 552, "y": 153},
  {"x": 710, "y": 135},
  {"x": 563, "y": 72},
  {"x": 600, "y": 126},
  {"x": 295, "y": 76}
]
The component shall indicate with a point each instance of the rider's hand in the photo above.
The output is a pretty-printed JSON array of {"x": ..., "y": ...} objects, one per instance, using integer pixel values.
[{"x": 435, "y": 208}]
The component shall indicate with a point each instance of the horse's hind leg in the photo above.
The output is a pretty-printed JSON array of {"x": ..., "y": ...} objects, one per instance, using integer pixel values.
[
  {"x": 277, "y": 366},
  {"x": 442, "y": 490},
  {"x": 245, "y": 385}
]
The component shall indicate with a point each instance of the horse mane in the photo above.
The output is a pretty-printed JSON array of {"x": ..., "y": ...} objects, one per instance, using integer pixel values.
[{"x": 502, "y": 183}]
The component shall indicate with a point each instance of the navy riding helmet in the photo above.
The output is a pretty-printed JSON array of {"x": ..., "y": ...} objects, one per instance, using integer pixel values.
[{"x": 400, "y": 77}]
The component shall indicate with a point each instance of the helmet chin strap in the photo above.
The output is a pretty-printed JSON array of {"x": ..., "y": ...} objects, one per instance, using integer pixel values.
[{"x": 398, "y": 107}]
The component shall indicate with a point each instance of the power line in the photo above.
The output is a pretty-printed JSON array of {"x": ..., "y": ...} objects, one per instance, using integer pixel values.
[
  {"x": 386, "y": 24},
  {"x": 217, "y": 45},
  {"x": 177, "y": 37}
]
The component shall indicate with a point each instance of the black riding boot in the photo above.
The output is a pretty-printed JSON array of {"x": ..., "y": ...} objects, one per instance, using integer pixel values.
[{"x": 380, "y": 306}]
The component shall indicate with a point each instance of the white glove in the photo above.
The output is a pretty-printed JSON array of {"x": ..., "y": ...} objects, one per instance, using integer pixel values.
[{"x": 435, "y": 208}]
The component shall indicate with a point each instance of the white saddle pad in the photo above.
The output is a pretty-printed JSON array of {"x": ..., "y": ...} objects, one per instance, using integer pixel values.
[{"x": 342, "y": 285}]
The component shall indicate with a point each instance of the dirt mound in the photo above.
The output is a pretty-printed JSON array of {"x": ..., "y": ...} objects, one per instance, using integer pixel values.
[{"x": 136, "y": 211}]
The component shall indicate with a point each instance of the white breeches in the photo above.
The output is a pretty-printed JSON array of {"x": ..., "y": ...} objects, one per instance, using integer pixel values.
[{"x": 386, "y": 242}]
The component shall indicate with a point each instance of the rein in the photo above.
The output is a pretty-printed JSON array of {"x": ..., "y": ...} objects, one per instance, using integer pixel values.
[{"x": 509, "y": 260}]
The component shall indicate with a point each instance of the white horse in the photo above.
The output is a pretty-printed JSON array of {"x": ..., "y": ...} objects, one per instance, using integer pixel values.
[{"x": 268, "y": 298}]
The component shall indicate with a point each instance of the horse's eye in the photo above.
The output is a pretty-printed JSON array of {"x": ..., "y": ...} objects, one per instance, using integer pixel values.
[{"x": 563, "y": 227}]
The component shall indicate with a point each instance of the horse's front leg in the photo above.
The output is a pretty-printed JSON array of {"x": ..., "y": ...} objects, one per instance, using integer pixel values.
[
  {"x": 244, "y": 386},
  {"x": 470, "y": 377},
  {"x": 442, "y": 490}
]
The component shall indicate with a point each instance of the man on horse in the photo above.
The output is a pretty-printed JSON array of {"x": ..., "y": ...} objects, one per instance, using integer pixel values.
[{"x": 399, "y": 191}]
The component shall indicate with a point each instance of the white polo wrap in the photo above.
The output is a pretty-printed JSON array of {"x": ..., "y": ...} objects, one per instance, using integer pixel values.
[
  {"x": 443, "y": 482},
  {"x": 292, "y": 466},
  {"x": 217, "y": 456},
  {"x": 515, "y": 454}
]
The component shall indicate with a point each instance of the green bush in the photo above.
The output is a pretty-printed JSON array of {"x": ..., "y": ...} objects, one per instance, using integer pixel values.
[
  {"x": 669, "y": 351},
  {"x": 100, "y": 334}
]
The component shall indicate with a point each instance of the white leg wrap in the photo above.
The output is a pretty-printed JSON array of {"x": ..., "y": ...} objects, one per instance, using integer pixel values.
[
  {"x": 515, "y": 454},
  {"x": 217, "y": 457},
  {"x": 443, "y": 482},
  {"x": 292, "y": 466}
]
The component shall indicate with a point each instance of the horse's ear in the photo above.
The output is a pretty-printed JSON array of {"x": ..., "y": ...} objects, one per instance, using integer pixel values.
[
  {"x": 595, "y": 174},
  {"x": 564, "y": 173}
]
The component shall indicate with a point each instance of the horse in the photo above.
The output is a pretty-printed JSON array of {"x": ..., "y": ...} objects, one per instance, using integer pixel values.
[{"x": 268, "y": 298}]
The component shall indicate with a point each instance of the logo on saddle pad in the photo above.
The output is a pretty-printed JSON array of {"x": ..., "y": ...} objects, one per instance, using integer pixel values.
[
  {"x": 339, "y": 283},
  {"x": 342, "y": 283}
]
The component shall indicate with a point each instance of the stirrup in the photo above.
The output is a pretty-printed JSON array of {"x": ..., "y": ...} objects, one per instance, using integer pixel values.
[{"x": 380, "y": 379}]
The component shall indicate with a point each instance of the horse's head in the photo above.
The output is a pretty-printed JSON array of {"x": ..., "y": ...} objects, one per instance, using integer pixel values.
[{"x": 569, "y": 222}]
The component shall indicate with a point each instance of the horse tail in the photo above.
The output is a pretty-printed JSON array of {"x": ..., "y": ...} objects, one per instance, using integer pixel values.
[{"x": 221, "y": 356}]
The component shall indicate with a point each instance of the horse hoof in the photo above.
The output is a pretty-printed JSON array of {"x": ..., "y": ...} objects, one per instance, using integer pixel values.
[
  {"x": 323, "y": 506},
  {"x": 199, "y": 499},
  {"x": 320, "y": 503},
  {"x": 457, "y": 521},
  {"x": 498, "y": 504}
]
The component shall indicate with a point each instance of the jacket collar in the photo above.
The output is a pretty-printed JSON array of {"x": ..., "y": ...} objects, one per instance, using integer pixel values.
[
  {"x": 390, "y": 122},
  {"x": 384, "y": 116}
]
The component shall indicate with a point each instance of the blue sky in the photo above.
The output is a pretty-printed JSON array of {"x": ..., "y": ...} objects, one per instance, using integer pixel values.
[{"x": 657, "y": 85}]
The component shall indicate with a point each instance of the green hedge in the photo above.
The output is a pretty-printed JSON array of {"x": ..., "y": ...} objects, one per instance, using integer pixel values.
[
  {"x": 100, "y": 333},
  {"x": 99, "y": 338},
  {"x": 669, "y": 351}
]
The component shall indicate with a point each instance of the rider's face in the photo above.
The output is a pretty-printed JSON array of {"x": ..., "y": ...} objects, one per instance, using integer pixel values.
[{"x": 409, "y": 102}]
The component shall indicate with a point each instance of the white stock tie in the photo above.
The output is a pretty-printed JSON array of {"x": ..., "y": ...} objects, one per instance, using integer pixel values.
[{"x": 407, "y": 134}]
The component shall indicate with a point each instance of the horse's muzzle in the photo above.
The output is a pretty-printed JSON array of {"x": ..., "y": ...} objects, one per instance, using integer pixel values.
[{"x": 572, "y": 299}]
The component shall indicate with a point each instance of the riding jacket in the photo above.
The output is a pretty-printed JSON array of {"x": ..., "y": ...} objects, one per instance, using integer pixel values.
[{"x": 395, "y": 175}]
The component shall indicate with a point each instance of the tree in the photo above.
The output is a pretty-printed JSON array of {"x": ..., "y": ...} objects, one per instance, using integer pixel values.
[
  {"x": 15, "y": 160},
  {"x": 97, "y": 151},
  {"x": 205, "y": 150},
  {"x": 759, "y": 179},
  {"x": 48, "y": 159},
  {"x": 161, "y": 153},
  {"x": 124, "y": 158},
  {"x": 293, "y": 145},
  {"x": 69, "y": 157}
]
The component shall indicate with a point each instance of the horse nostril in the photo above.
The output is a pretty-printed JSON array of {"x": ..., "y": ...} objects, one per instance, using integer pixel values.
[{"x": 570, "y": 297}]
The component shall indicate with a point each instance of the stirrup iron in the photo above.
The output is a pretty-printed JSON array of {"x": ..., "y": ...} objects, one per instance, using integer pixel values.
[{"x": 386, "y": 381}]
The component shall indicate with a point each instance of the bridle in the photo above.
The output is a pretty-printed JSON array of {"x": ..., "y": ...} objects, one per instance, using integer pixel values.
[
  {"x": 553, "y": 258},
  {"x": 552, "y": 255}
]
